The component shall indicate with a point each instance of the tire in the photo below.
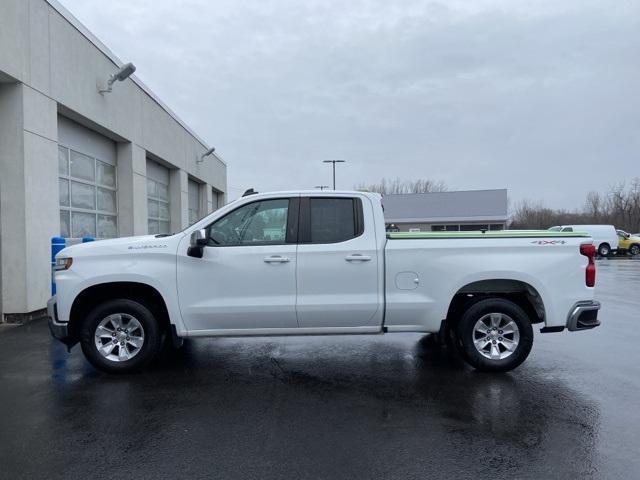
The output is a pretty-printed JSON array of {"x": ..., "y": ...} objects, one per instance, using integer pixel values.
[
  {"x": 141, "y": 344},
  {"x": 503, "y": 351},
  {"x": 634, "y": 250},
  {"x": 604, "y": 250}
]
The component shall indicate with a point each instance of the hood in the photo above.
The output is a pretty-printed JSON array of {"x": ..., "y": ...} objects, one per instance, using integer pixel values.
[{"x": 115, "y": 244}]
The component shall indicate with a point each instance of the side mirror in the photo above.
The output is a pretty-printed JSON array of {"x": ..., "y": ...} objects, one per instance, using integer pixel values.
[
  {"x": 199, "y": 238},
  {"x": 197, "y": 242}
]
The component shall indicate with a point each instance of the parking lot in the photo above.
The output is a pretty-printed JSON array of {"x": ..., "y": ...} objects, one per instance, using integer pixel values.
[{"x": 331, "y": 407}]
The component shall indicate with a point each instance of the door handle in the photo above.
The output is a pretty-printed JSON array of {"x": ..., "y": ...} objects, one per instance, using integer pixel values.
[
  {"x": 357, "y": 257},
  {"x": 276, "y": 259}
]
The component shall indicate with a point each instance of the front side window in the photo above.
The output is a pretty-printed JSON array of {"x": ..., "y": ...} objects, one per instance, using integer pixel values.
[
  {"x": 257, "y": 223},
  {"x": 87, "y": 196},
  {"x": 334, "y": 219}
]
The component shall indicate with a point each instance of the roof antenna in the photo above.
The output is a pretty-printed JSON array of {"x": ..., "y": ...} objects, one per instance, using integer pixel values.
[{"x": 249, "y": 191}]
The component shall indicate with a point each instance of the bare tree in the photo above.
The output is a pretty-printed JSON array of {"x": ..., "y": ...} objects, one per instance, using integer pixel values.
[
  {"x": 619, "y": 207},
  {"x": 391, "y": 186}
]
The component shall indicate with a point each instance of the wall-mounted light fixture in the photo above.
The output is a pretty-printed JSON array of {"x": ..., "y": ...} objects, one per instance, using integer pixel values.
[
  {"x": 205, "y": 154},
  {"x": 122, "y": 74}
]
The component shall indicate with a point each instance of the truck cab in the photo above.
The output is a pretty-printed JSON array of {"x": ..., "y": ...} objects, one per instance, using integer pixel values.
[{"x": 321, "y": 271}]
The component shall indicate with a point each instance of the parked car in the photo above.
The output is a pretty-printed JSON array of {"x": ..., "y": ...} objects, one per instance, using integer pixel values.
[
  {"x": 628, "y": 243},
  {"x": 315, "y": 263},
  {"x": 604, "y": 237}
]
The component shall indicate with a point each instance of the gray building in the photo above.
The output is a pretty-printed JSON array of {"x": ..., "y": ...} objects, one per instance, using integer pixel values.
[
  {"x": 447, "y": 211},
  {"x": 76, "y": 162}
]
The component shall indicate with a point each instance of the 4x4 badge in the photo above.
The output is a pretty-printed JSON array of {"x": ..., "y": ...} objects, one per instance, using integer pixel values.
[{"x": 549, "y": 242}]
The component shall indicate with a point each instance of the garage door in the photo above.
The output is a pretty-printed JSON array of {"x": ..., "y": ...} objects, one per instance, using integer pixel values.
[
  {"x": 194, "y": 201},
  {"x": 87, "y": 182}
]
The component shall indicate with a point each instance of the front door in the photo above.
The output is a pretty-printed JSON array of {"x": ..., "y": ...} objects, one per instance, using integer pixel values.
[{"x": 246, "y": 276}]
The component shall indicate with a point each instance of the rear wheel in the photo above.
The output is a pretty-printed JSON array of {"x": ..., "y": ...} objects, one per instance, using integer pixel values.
[
  {"x": 120, "y": 336},
  {"x": 604, "y": 250},
  {"x": 495, "y": 335},
  {"x": 635, "y": 249}
]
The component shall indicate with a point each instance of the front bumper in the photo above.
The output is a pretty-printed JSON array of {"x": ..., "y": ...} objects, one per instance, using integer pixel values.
[
  {"x": 583, "y": 316},
  {"x": 59, "y": 330}
]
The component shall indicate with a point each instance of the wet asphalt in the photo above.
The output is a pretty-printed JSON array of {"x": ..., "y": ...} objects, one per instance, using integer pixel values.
[{"x": 369, "y": 407}]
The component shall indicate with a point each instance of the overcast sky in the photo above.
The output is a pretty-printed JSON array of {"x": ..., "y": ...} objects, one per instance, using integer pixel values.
[{"x": 542, "y": 98}]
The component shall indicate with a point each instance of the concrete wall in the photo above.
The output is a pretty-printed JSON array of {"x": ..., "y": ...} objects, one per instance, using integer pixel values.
[
  {"x": 28, "y": 194},
  {"x": 50, "y": 65}
]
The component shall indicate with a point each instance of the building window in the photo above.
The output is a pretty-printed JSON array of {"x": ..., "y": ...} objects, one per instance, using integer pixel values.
[
  {"x": 466, "y": 228},
  {"x": 194, "y": 201},
  {"x": 87, "y": 196},
  {"x": 445, "y": 228},
  {"x": 473, "y": 227},
  {"x": 216, "y": 199},
  {"x": 158, "y": 207}
]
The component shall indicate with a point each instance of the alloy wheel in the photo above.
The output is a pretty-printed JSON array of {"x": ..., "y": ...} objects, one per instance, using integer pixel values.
[
  {"x": 496, "y": 336},
  {"x": 119, "y": 337}
]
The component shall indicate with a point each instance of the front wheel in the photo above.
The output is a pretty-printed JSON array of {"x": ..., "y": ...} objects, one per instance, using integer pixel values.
[
  {"x": 120, "y": 336},
  {"x": 495, "y": 335},
  {"x": 634, "y": 250}
]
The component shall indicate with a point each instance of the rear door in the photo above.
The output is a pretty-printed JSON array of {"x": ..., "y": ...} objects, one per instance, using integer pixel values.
[{"x": 337, "y": 268}]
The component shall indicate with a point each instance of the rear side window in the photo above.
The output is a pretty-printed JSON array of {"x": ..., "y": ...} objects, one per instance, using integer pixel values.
[
  {"x": 334, "y": 220},
  {"x": 567, "y": 229}
]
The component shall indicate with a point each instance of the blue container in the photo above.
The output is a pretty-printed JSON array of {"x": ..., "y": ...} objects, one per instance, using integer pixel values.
[{"x": 57, "y": 244}]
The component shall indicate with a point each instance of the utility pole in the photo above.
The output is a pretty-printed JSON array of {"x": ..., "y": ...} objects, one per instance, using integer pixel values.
[
  {"x": 334, "y": 169},
  {"x": 321, "y": 187}
]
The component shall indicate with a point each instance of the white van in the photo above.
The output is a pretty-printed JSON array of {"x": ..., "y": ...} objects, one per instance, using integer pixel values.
[{"x": 604, "y": 237}]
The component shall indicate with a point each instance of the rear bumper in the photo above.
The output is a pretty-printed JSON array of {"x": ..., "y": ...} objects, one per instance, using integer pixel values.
[
  {"x": 583, "y": 316},
  {"x": 59, "y": 330}
]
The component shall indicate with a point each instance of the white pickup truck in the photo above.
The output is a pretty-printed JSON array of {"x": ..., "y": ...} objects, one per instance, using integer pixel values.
[{"x": 314, "y": 263}]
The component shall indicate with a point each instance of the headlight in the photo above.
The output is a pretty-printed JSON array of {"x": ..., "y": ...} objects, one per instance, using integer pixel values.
[{"x": 63, "y": 263}]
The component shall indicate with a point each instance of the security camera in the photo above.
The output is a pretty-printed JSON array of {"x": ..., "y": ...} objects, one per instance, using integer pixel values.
[{"x": 123, "y": 73}]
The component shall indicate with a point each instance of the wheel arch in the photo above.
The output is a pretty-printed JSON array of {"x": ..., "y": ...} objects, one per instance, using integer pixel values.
[
  {"x": 93, "y": 295},
  {"x": 520, "y": 292}
]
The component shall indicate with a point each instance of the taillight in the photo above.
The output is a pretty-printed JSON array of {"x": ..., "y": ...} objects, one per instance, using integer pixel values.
[{"x": 589, "y": 251}]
